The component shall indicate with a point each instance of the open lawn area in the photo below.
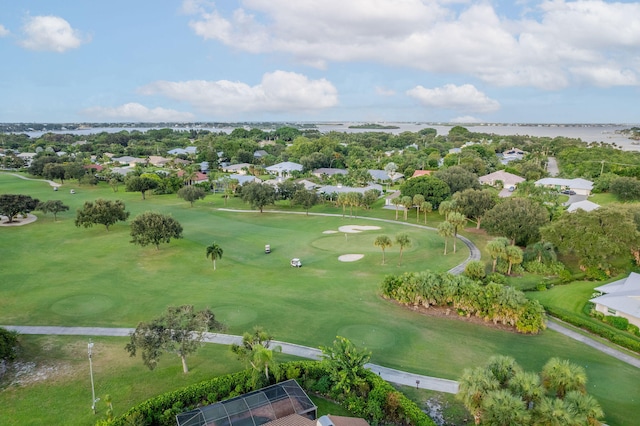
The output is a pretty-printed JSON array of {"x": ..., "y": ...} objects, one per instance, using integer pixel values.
[{"x": 54, "y": 273}]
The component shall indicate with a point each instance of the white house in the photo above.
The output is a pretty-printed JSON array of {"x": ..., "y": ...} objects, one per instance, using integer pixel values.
[
  {"x": 620, "y": 298},
  {"x": 240, "y": 168},
  {"x": 507, "y": 179},
  {"x": 579, "y": 185},
  {"x": 585, "y": 205},
  {"x": 284, "y": 169}
]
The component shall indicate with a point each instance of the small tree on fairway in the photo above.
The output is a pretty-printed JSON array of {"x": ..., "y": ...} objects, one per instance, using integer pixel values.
[
  {"x": 102, "y": 212},
  {"x": 258, "y": 195},
  {"x": 214, "y": 251},
  {"x": 140, "y": 184},
  {"x": 403, "y": 241},
  {"x": 14, "y": 204},
  {"x": 53, "y": 206},
  {"x": 179, "y": 330},
  {"x": 154, "y": 228},
  {"x": 306, "y": 198},
  {"x": 383, "y": 242},
  {"x": 191, "y": 193}
]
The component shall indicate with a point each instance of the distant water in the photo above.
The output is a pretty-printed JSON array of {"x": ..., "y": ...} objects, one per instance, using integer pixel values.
[{"x": 588, "y": 133}]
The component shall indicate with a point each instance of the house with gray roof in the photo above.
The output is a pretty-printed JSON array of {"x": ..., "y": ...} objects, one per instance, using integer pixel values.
[
  {"x": 586, "y": 205},
  {"x": 284, "y": 169},
  {"x": 383, "y": 176},
  {"x": 579, "y": 185},
  {"x": 328, "y": 172},
  {"x": 620, "y": 298},
  {"x": 507, "y": 179}
]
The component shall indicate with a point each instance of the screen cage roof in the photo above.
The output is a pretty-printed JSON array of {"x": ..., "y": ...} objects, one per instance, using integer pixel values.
[{"x": 253, "y": 408}]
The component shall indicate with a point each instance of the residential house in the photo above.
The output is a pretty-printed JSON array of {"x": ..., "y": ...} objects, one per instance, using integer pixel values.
[
  {"x": 260, "y": 153},
  {"x": 158, "y": 161},
  {"x": 308, "y": 185},
  {"x": 579, "y": 185},
  {"x": 199, "y": 177},
  {"x": 508, "y": 179},
  {"x": 620, "y": 298},
  {"x": 337, "y": 189},
  {"x": 585, "y": 205},
  {"x": 127, "y": 159},
  {"x": 419, "y": 173},
  {"x": 284, "y": 169},
  {"x": 240, "y": 168},
  {"x": 383, "y": 176},
  {"x": 184, "y": 151},
  {"x": 27, "y": 157},
  {"x": 327, "y": 171}
]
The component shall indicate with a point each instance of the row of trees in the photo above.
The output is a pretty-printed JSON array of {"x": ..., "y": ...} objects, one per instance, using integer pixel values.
[
  {"x": 502, "y": 393},
  {"x": 491, "y": 302},
  {"x": 384, "y": 242}
]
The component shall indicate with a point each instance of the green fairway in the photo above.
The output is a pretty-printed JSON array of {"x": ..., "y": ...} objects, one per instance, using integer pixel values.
[{"x": 54, "y": 273}]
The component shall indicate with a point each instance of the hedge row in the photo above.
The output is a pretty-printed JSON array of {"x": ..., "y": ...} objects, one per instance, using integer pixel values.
[
  {"x": 602, "y": 330},
  {"x": 380, "y": 403}
]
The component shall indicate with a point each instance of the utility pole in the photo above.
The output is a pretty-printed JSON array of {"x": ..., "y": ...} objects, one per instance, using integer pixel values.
[{"x": 93, "y": 390}]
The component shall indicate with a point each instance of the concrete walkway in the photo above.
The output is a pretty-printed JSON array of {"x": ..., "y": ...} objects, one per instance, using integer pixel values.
[
  {"x": 474, "y": 252},
  {"x": 50, "y": 182},
  {"x": 388, "y": 374}
]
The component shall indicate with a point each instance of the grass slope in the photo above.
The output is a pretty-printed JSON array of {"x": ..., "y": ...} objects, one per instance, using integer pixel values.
[{"x": 54, "y": 273}]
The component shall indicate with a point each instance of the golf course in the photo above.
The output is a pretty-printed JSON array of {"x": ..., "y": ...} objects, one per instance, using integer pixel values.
[{"x": 54, "y": 273}]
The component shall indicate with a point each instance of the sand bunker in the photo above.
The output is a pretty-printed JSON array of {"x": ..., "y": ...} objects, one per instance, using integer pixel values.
[
  {"x": 4, "y": 221},
  {"x": 350, "y": 257},
  {"x": 357, "y": 228},
  {"x": 330, "y": 231}
]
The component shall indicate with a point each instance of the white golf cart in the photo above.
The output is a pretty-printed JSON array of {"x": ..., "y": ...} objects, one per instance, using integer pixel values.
[{"x": 295, "y": 262}]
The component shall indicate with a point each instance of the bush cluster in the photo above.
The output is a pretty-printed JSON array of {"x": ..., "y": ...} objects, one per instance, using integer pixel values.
[
  {"x": 493, "y": 302},
  {"x": 375, "y": 400}
]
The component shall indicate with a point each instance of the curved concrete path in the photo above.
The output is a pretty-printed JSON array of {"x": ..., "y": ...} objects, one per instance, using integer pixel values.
[
  {"x": 474, "y": 252},
  {"x": 388, "y": 374},
  {"x": 50, "y": 182}
]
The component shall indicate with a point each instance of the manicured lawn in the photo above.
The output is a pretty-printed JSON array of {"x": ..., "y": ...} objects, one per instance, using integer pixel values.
[
  {"x": 54, "y": 273},
  {"x": 603, "y": 199}
]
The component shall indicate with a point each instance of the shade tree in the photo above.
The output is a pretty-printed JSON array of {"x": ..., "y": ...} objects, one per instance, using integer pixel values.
[
  {"x": 475, "y": 203},
  {"x": 191, "y": 193},
  {"x": 141, "y": 184},
  {"x": 180, "y": 330},
  {"x": 101, "y": 212},
  {"x": 458, "y": 178},
  {"x": 433, "y": 189},
  {"x": 154, "y": 228},
  {"x": 53, "y": 206},
  {"x": 518, "y": 219},
  {"x": 258, "y": 195}
]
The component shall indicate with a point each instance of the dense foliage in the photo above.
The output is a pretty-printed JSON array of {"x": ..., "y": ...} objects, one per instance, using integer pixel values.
[
  {"x": 154, "y": 228},
  {"x": 14, "y": 204},
  {"x": 491, "y": 302}
]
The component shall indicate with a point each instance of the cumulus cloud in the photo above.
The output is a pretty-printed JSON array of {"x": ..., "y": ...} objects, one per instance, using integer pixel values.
[
  {"x": 3, "y": 31},
  {"x": 545, "y": 47},
  {"x": 136, "y": 112},
  {"x": 278, "y": 92},
  {"x": 459, "y": 98},
  {"x": 50, "y": 33}
]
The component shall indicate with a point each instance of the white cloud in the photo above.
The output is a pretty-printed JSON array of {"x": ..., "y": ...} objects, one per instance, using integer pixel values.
[
  {"x": 459, "y": 98},
  {"x": 50, "y": 33},
  {"x": 383, "y": 91},
  {"x": 278, "y": 92},
  {"x": 543, "y": 48},
  {"x": 3, "y": 31},
  {"x": 136, "y": 112}
]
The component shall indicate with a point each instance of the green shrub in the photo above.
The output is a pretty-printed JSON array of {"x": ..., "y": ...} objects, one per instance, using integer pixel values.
[
  {"x": 633, "y": 329},
  {"x": 541, "y": 286},
  {"x": 618, "y": 322}
]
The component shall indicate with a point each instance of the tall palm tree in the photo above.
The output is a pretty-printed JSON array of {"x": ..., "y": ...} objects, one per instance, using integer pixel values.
[
  {"x": 407, "y": 203},
  {"x": 418, "y": 200},
  {"x": 553, "y": 412},
  {"x": 527, "y": 385},
  {"x": 383, "y": 242},
  {"x": 503, "y": 368},
  {"x": 447, "y": 207},
  {"x": 458, "y": 221},
  {"x": 501, "y": 408},
  {"x": 426, "y": 207},
  {"x": 497, "y": 249},
  {"x": 585, "y": 407},
  {"x": 403, "y": 241},
  {"x": 445, "y": 229},
  {"x": 514, "y": 256},
  {"x": 215, "y": 252},
  {"x": 542, "y": 250},
  {"x": 263, "y": 358},
  {"x": 397, "y": 201}
]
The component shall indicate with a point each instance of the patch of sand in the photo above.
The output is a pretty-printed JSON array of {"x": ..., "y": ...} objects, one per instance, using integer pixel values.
[
  {"x": 330, "y": 231},
  {"x": 350, "y": 257},
  {"x": 351, "y": 229}
]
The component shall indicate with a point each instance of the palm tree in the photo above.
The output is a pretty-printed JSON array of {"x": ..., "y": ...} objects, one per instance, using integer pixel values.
[
  {"x": 458, "y": 221},
  {"x": 514, "y": 256},
  {"x": 426, "y": 207},
  {"x": 562, "y": 376},
  {"x": 585, "y": 407},
  {"x": 403, "y": 241},
  {"x": 396, "y": 202},
  {"x": 497, "y": 250},
  {"x": 503, "y": 368},
  {"x": 215, "y": 252},
  {"x": 553, "y": 412},
  {"x": 262, "y": 359},
  {"x": 418, "y": 200},
  {"x": 383, "y": 242},
  {"x": 527, "y": 386},
  {"x": 473, "y": 387},
  {"x": 407, "y": 203},
  {"x": 445, "y": 229},
  {"x": 447, "y": 207},
  {"x": 542, "y": 250},
  {"x": 342, "y": 200},
  {"x": 501, "y": 408}
]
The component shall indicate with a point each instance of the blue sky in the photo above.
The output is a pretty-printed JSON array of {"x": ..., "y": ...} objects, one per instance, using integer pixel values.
[{"x": 521, "y": 61}]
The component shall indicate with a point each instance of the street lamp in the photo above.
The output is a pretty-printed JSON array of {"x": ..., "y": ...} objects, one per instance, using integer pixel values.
[{"x": 93, "y": 390}]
